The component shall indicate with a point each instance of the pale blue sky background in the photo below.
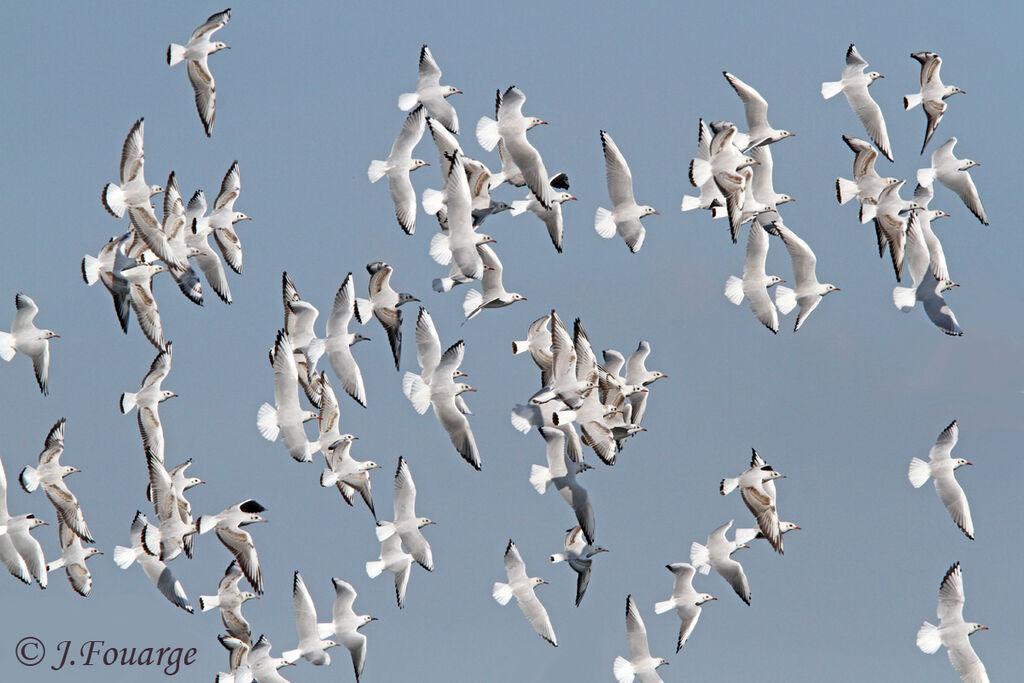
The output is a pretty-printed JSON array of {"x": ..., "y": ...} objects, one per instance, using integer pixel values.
[{"x": 306, "y": 98}]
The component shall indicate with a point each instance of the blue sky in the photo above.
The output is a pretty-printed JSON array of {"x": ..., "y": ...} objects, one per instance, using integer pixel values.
[{"x": 305, "y": 100}]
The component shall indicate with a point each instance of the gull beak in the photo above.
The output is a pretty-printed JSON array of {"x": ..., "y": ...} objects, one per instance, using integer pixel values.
[
  {"x": 56, "y": 336},
  {"x": 969, "y": 463},
  {"x": 881, "y": 76},
  {"x": 572, "y": 198},
  {"x": 657, "y": 213},
  {"x": 45, "y": 523},
  {"x": 798, "y": 527},
  {"x": 955, "y": 284},
  {"x": 745, "y": 546},
  {"x": 545, "y": 582},
  {"x": 714, "y": 598},
  {"x": 426, "y": 164},
  {"x": 984, "y": 628},
  {"x": 373, "y": 619},
  {"x": 457, "y": 92},
  {"x": 471, "y": 389},
  {"x": 543, "y": 123}
]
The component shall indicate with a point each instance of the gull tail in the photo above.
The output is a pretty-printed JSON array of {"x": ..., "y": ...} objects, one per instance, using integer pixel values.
[
  {"x": 29, "y": 479},
  {"x": 407, "y": 100},
  {"x": 700, "y": 172},
  {"x": 487, "y": 133},
  {"x": 928, "y": 638},
  {"x": 442, "y": 284},
  {"x": 113, "y": 200},
  {"x": 868, "y": 211},
  {"x": 845, "y": 190},
  {"x": 385, "y": 530},
  {"x": 266, "y": 422},
  {"x": 728, "y": 485},
  {"x": 473, "y": 302},
  {"x": 734, "y": 289},
  {"x": 911, "y": 101},
  {"x": 700, "y": 558},
  {"x": 664, "y": 606},
  {"x": 559, "y": 557},
  {"x": 540, "y": 477},
  {"x": 904, "y": 298},
  {"x": 519, "y": 347},
  {"x": 374, "y": 568},
  {"x": 377, "y": 170},
  {"x": 604, "y": 224},
  {"x": 417, "y": 392},
  {"x": 175, "y": 54},
  {"x": 440, "y": 250},
  {"x": 519, "y": 206},
  {"x": 325, "y": 630},
  {"x": 224, "y": 678},
  {"x": 433, "y": 201},
  {"x": 291, "y": 655},
  {"x": 926, "y": 176},
  {"x": 830, "y": 89},
  {"x": 206, "y": 523},
  {"x": 623, "y": 670},
  {"x": 560, "y": 417},
  {"x": 689, "y": 203},
  {"x": 127, "y": 402},
  {"x": 90, "y": 270},
  {"x": 785, "y": 299},
  {"x": 328, "y": 478},
  {"x": 918, "y": 473},
  {"x": 6, "y": 346},
  {"x": 502, "y": 592},
  {"x": 363, "y": 310},
  {"x": 208, "y": 602},
  {"x": 123, "y": 557},
  {"x": 56, "y": 564}
]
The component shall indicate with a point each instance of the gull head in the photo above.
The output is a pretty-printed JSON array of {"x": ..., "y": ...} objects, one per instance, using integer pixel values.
[
  {"x": 787, "y": 526},
  {"x": 703, "y": 597},
  {"x": 217, "y": 47},
  {"x": 534, "y": 121},
  {"x": 783, "y": 199},
  {"x": 773, "y": 280},
  {"x": 343, "y": 439},
  {"x": 960, "y": 462},
  {"x": 516, "y": 296},
  {"x": 365, "y": 619},
  {"x": 239, "y": 216},
  {"x": 155, "y": 189},
  {"x": 247, "y": 595},
  {"x": 48, "y": 334},
  {"x": 424, "y": 521},
  {"x": 938, "y": 214},
  {"x": 462, "y": 387},
  {"x": 450, "y": 90},
  {"x": 370, "y": 465},
  {"x": 356, "y": 338},
  {"x": 498, "y": 207},
  {"x": 307, "y": 415},
  {"x": 647, "y": 211},
  {"x": 481, "y": 238},
  {"x": 874, "y": 76},
  {"x": 829, "y": 288},
  {"x": 68, "y": 469},
  {"x": 34, "y": 521},
  {"x": 458, "y": 373},
  {"x": 966, "y": 164},
  {"x": 563, "y": 197},
  {"x": 975, "y": 627},
  {"x": 404, "y": 298},
  {"x": 536, "y": 581},
  {"x": 780, "y": 134},
  {"x": 594, "y": 550},
  {"x": 945, "y": 284},
  {"x": 192, "y": 481},
  {"x": 660, "y": 661},
  {"x": 164, "y": 395},
  {"x": 90, "y": 551},
  {"x": 418, "y": 163}
]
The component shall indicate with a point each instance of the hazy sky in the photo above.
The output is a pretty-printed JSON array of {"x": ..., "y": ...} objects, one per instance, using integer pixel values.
[{"x": 306, "y": 98}]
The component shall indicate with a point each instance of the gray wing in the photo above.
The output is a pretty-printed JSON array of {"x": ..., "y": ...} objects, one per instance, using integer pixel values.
[
  {"x": 870, "y": 114},
  {"x": 537, "y": 616},
  {"x": 457, "y": 426},
  {"x": 955, "y": 500},
  {"x": 732, "y": 571},
  {"x": 940, "y": 313},
  {"x": 68, "y": 509},
  {"x": 205, "y": 91},
  {"x": 636, "y": 632},
  {"x": 240, "y": 544},
  {"x": 764, "y": 510},
  {"x": 620, "y": 180}
]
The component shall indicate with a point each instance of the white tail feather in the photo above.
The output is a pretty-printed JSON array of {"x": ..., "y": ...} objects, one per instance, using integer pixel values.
[
  {"x": 113, "y": 200},
  {"x": 487, "y": 133},
  {"x": 845, "y": 190},
  {"x": 29, "y": 479},
  {"x": 734, "y": 289},
  {"x": 700, "y": 172},
  {"x": 90, "y": 270},
  {"x": 442, "y": 284},
  {"x": 604, "y": 223},
  {"x": 831, "y": 89},
  {"x": 56, "y": 564},
  {"x": 925, "y": 176},
  {"x": 559, "y": 557},
  {"x": 868, "y": 211},
  {"x": 6, "y": 346},
  {"x": 407, "y": 382},
  {"x": 328, "y": 478},
  {"x": 728, "y": 485},
  {"x": 374, "y": 568},
  {"x": 175, "y": 54},
  {"x": 471, "y": 304},
  {"x": 266, "y": 422},
  {"x": 208, "y": 602},
  {"x": 623, "y": 670},
  {"x": 407, "y": 100},
  {"x": 664, "y": 606},
  {"x": 519, "y": 206},
  {"x": 560, "y": 417},
  {"x": 440, "y": 251},
  {"x": 502, "y": 592},
  {"x": 433, "y": 201},
  {"x": 291, "y": 655},
  {"x": 918, "y": 473},
  {"x": 785, "y": 299},
  {"x": 377, "y": 170},
  {"x": 540, "y": 477},
  {"x": 419, "y": 395},
  {"x": 363, "y": 310},
  {"x": 127, "y": 402},
  {"x": 911, "y": 101},
  {"x": 689, "y": 203},
  {"x": 700, "y": 558},
  {"x": 904, "y": 298},
  {"x": 206, "y": 523},
  {"x": 385, "y": 530},
  {"x": 928, "y": 638},
  {"x": 123, "y": 557},
  {"x": 519, "y": 347}
]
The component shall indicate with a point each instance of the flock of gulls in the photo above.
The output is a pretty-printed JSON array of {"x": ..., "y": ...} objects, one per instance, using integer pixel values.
[{"x": 582, "y": 404}]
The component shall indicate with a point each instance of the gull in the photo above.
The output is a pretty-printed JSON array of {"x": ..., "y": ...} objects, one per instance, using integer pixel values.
[
  {"x": 808, "y": 292},
  {"x": 594, "y": 417},
  {"x": 927, "y": 287},
  {"x": 50, "y": 476},
  {"x": 173, "y": 513},
  {"x": 431, "y": 94},
  {"x": 158, "y": 572},
  {"x": 754, "y": 534},
  {"x": 953, "y": 631},
  {"x": 756, "y": 108},
  {"x": 264, "y": 667},
  {"x": 932, "y": 93},
  {"x": 140, "y": 286},
  {"x": 924, "y": 217},
  {"x": 230, "y": 600},
  {"x": 72, "y": 559},
  {"x": 710, "y": 196},
  {"x": 340, "y": 341},
  {"x": 397, "y": 167},
  {"x": 552, "y": 217},
  {"x": 510, "y": 129},
  {"x": 580, "y": 556},
  {"x": 716, "y": 555},
  {"x": 238, "y": 661},
  {"x": 208, "y": 261},
  {"x": 133, "y": 192},
  {"x": 561, "y": 473},
  {"x": 174, "y": 228},
  {"x": 940, "y": 467},
  {"x": 299, "y": 320},
  {"x": 106, "y": 267},
  {"x": 725, "y": 167},
  {"x": 429, "y": 356},
  {"x": 196, "y": 52},
  {"x": 854, "y": 84},
  {"x": 346, "y": 623},
  {"x": 222, "y": 219},
  {"x": 890, "y": 226},
  {"x": 526, "y": 417},
  {"x": 345, "y": 472},
  {"x": 522, "y": 587},
  {"x": 494, "y": 294},
  {"x": 442, "y": 393},
  {"x": 17, "y": 547},
  {"x": 866, "y": 183},
  {"x": 685, "y": 600},
  {"x": 227, "y": 525},
  {"x": 538, "y": 344},
  {"x": 755, "y": 283},
  {"x": 758, "y": 491},
  {"x": 762, "y": 189},
  {"x": 406, "y": 524},
  {"x": 148, "y": 400},
  {"x": 625, "y": 214},
  {"x": 637, "y": 374},
  {"x": 383, "y": 303},
  {"x": 640, "y": 664},
  {"x": 953, "y": 173},
  {"x": 311, "y": 647},
  {"x": 28, "y": 339},
  {"x": 396, "y": 561},
  {"x": 460, "y": 244},
  {"x": 478, "y": 176},
  {"x": 287, "y": 419}
]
